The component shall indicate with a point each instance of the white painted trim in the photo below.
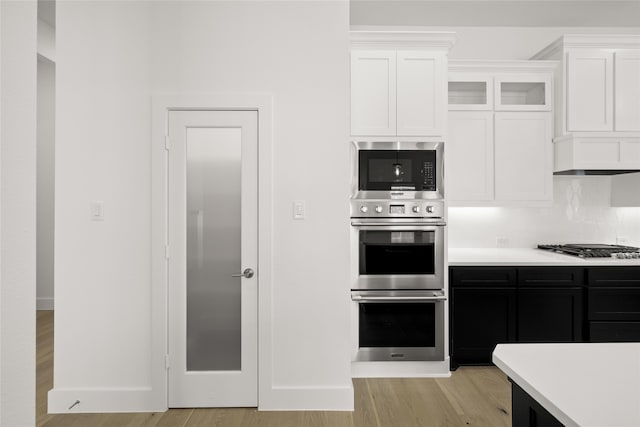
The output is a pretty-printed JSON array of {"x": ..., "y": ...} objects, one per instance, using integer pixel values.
[
  {"x": 281, "y": 398},
  {"x": 589, "y": 41},
  {"x": 501, "y": 66},
  {"x": 433, "y": 40},
  {"x": 102, "y": 400},
  {"x": 44, "y": 303},
  {"x": 161, "y": 105}
]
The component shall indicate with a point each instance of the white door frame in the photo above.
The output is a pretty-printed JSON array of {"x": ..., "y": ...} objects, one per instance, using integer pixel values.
[{"x": 161, "y": 105}]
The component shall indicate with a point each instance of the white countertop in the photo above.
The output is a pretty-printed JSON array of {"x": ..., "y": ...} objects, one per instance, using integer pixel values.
[
  {"x": 526, "y": 257},
  {"x": 581, "y": 384}
]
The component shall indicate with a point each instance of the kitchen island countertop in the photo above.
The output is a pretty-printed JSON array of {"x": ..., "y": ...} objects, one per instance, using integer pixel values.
[
  {"x": 526, "y": 257},
  {"x": 580, "y": 384}
]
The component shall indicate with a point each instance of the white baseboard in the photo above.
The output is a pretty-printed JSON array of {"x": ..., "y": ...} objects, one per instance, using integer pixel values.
[
  {"x": 103, "y": 400},
  {"x": 44, "y": 303},
  {"x": 307, "y": 399}
]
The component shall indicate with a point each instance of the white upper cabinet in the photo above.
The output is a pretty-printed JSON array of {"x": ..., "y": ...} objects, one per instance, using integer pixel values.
[
  {"x": 523, "y": 156},
  {"x": 397, "y": 93},
  {"x": 627, "y": 90},
  {"x": 398, "y": 83},
  {"x": 373, "y": 93},
  {"x": 597, "y": 120},
  {"x": 599, "y": 86},
  {"x": 421, "y": 78},
  {"x": 589, "y": 90},
  {"x": 470, "y": 151},
  {"x": 499, "y": 151}
]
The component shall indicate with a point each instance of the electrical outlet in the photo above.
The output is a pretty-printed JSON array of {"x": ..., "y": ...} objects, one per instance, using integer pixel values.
[
  {"x": 622, "y": 240},
  {"x": 502, "y": 242}
]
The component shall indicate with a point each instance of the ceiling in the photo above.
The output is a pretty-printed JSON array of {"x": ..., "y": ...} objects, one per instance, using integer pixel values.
[{"x": 499, "y": 13}]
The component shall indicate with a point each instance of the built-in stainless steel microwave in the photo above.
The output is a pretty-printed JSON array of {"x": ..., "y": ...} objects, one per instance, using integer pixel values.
[{"x": 402, "y": 169}]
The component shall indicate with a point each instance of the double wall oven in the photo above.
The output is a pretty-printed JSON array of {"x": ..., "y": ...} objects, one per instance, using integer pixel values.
[{"x": 398, "y": 246}]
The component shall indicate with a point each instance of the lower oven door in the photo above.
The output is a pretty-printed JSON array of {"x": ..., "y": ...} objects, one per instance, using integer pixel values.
[
  {"x": 400, "y": 325},
  {"x": 400, "y": 256}
]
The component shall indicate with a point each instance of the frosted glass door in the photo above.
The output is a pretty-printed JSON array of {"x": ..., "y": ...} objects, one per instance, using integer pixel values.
[{"x": 213, "y": 239}]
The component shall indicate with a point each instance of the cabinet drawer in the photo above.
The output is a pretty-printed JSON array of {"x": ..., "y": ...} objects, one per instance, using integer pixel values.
[
  {"x": 487, "y": 276},
  {"x": 613, "y": 276},
  {"x": 614, "y": 303},
  {"x": 551, "y": 276},
  {"x": 614, "y": 331}
]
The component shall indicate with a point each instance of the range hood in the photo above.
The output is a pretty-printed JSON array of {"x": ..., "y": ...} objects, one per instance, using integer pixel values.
[{"x": 593, "y": 155}]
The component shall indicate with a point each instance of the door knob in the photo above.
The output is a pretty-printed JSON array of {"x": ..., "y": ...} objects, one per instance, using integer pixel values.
[{"x": 247, "y": 273}]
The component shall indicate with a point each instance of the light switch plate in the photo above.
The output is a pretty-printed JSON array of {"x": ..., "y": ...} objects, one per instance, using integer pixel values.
[
  {"x": 97, "y": 211},
  {"x": 299, "y": 209}
]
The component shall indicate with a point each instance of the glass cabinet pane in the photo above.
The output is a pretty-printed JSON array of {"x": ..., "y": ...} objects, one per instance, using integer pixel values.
[
  {"x": 522, "y": 93},
  {"x": 468, "y": 93}
]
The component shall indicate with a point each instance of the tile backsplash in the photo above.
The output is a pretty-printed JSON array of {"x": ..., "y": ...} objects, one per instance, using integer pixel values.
[{"x": 581, "y": 213}]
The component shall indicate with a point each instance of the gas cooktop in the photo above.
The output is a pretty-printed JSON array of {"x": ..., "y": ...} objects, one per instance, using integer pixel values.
[{"x": 594, "y": 250}]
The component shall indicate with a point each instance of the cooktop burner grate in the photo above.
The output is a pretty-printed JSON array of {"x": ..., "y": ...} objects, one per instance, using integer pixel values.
[{"x": 594, "y": 250}]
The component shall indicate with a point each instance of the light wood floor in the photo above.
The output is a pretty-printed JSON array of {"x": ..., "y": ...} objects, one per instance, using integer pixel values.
[{"x": 473, "y": 396}]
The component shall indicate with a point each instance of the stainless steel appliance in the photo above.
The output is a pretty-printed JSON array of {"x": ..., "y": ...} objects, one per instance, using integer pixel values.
[
  {"x": 399, "y": 169},
  {"x": 400, "y": 325},
  {"x": 398, "y": 245},
  {"x": 594, "y": 250}
]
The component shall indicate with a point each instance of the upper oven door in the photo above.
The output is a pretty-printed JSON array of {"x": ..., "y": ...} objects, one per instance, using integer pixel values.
[
  {"x": 399, "y": 170},
  {"x": 400, "y": 257}
]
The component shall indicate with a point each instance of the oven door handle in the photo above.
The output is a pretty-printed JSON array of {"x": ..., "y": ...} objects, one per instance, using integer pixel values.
[
  {"x": 368, "y": 223},
  {"x": 360, "y": 298}
]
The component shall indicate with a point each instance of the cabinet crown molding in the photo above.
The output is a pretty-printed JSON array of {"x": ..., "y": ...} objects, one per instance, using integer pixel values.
[
  {"x": 434, "y": 40},
  {"x": 502, "y": 66},
  {"x": 589, "y": 41}
]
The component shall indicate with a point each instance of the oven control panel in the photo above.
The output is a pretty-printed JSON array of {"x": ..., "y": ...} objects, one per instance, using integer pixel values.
[{"x": 397, "y": 209}]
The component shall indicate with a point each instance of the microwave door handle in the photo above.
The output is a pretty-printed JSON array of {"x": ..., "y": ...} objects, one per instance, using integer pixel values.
[{"x": 442, "y": 190}]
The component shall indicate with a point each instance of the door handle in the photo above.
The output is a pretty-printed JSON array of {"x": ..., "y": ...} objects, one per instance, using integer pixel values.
[{"x": 247, "y": 273}]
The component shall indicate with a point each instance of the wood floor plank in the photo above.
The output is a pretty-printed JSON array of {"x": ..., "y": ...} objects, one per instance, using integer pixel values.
[
  {"x": 471, "y": 402},
  {"x": 473, "y": 396},
  {"x": 365, "y": 411},
  {"x": 327, "y": 419},
  {"x": 412, "y": 402}
]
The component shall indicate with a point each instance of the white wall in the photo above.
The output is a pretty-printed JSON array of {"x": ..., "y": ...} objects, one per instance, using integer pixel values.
[
  {"x": 111, "y": 57},
  {"x": 299, "y": 53},
  {"x": 581, "y": 213},
  {"x": 45, "y": 183},
  {"x": 102, "y": 268},
  {"x": 17, "y": 212}
]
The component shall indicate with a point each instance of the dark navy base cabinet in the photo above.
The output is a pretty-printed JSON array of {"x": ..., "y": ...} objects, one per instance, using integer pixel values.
[
  {"x": 526, "y": 412},
  {"x": 492, "y": 305}
]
